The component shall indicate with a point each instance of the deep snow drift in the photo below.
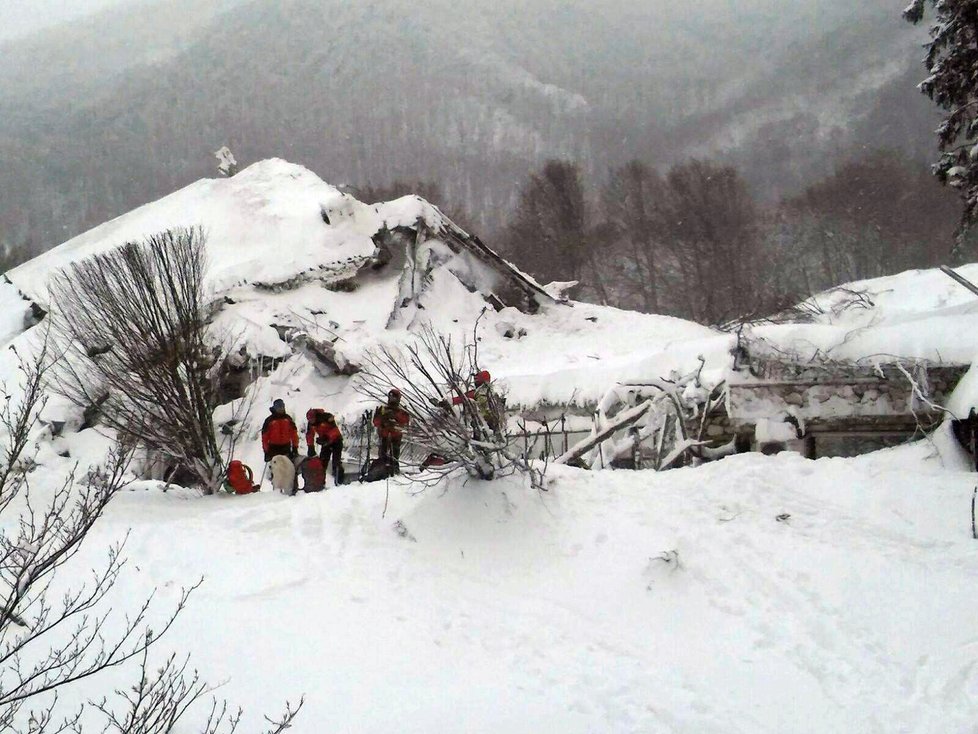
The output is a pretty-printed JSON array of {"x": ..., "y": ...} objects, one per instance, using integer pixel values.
[{"x": 914, "y": 315}]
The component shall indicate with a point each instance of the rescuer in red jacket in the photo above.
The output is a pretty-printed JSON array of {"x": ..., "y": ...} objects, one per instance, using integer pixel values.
[
  {"x": 279, "y": 436},
  {"x": 483, "y": 398},
  {"x": 321, "y": 428},
  {"x": 391, "y": 420}
]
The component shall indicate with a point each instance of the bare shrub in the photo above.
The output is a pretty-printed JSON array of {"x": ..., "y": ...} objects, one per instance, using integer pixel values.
[
  {"x": 132, "y": 325},
  {"x": 433, "y": 372}
]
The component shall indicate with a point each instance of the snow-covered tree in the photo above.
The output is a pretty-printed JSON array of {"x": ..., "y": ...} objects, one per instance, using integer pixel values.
[
  {"x": 952, "y": 62},
  {"x": 226, "y": 163}
]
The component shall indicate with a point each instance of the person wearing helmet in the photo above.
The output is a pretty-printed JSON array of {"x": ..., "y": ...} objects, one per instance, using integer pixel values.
[
  {"x": 279, "y": 435},
  {"x": 391, "y": 420},
  {"x": 483, "y": 398},
  {"x": 322, "y": 429}
]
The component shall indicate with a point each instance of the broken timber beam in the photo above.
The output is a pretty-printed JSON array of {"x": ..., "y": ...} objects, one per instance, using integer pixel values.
[
  {"x": 627, "y": 418},
  {"x": 960, "y": 279}
]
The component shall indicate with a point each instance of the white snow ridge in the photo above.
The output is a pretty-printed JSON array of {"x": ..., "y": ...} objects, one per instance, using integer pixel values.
[{"x": 755, "y": 594}]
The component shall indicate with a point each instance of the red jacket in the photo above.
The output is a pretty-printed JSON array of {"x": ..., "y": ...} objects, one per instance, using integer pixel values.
[
  {"x": 279, "y": 430},
  {"x": 322, "y": 431},
  {"x": 458, "y": 399},
  {"x": 390, "y": 421}
]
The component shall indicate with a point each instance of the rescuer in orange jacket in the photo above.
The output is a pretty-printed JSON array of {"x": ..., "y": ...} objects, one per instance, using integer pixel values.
[
  {"x": 390, "y": 421},
  {"x": 279, "y": 436},
  {"x": 321, "y": 428}
]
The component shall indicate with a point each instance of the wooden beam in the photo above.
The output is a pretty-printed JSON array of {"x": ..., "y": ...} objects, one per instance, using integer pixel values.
[{"x": 959, "y": 279}]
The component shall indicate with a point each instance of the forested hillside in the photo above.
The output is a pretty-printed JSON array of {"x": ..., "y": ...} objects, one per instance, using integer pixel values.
[{"x": 470, "y": 97}]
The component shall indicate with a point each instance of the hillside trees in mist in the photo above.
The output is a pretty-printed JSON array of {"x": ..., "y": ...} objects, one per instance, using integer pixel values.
[
  {"x": 876, "y": 215},
  {"x": 632, "y": 206},
  {"x": 680, "y": 244},
  {"x": 711, "y": 234},
  {"x": 550, "y": 229},
  {"x": 694, "y": 242}
]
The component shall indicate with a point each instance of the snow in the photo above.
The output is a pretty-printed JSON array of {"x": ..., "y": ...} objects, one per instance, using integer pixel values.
[
  {"x": 264, "y": 225},
  {"x": 272, "y": 256},
  {"x": 914, "y": 315},
  {"x": 14, "y": 308},
  {"x": 756, "y": 594},
  {"x": 625, "y": 601},
  {"x": 965, "y": 395}
]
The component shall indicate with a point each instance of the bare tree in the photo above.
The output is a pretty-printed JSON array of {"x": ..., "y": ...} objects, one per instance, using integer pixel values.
[
  {"x": 712, "y": 233},
  {"x": 550, "y": 234},
  {"x": 46, "y": 644},
  {"x": 634, "y": 210},
  {"x": 132, "y": 324},
  {"x": 435, "y": 377},
  {"x": 158, "y": 700}
]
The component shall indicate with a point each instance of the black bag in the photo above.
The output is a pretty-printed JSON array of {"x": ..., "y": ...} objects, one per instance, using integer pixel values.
[{"x": 378, "y": 469}]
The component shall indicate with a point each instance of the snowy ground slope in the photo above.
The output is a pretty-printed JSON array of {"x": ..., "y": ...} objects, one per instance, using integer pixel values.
[
  {"x": 918, "y": 314},
  {"x": 501, "y": 609}
]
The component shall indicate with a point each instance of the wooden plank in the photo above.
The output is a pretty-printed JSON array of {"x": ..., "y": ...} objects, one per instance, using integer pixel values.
[{"x": 959, "y": 279}]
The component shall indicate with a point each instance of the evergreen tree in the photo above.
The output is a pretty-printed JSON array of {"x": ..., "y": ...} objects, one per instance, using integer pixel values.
[{"x": 952, "y": 62}]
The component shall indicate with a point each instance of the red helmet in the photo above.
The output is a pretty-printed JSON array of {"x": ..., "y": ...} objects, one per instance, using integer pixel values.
[
  {"x": 311, "y": 414},
  {"x": 482, "y": 377},
  {"x": 394, "y": 393}
]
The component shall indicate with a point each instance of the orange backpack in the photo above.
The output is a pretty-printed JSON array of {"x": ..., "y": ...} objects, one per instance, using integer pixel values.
[{"x": 240, "y": 478}]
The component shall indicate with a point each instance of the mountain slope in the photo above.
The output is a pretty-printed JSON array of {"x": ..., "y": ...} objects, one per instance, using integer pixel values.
[{"x": 469, "y": 95}]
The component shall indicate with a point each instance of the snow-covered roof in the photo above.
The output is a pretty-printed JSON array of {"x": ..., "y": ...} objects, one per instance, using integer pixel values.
[{"x": 915, "y": 315}]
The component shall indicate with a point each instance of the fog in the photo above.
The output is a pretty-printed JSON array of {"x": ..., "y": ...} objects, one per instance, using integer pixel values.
[
  {"x": 97, "y": 118},
  {"x": 20, "y": 18}
]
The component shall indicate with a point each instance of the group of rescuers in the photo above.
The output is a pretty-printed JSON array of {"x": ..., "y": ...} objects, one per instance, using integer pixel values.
[{"x": 280, "y": 437}]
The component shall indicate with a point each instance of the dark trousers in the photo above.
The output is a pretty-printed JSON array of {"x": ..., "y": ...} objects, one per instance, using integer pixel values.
[
  {"x": 390, "y": 451},
  {"x": 280, "y": 449},
  {"x": 333, "y": 451}
]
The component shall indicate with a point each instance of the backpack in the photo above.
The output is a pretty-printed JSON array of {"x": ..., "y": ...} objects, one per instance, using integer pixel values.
[
  {"x": 433, "y": 460},
  {"x": 239, "y": 478},
  {"x": 313, "y": 475},
  {"x": 378, "y": 469}
]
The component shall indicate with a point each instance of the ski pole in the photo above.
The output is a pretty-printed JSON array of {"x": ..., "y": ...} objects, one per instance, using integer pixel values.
[{"x": 261, "y": 482}]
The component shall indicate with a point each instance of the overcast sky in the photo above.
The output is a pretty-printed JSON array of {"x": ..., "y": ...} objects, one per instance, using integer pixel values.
[{"x": 22, "y": 17}]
